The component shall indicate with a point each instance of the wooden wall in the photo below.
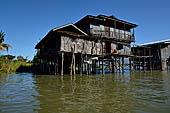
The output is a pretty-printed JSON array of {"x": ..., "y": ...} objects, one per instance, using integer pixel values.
[
  {"x": 81, "y": 45},
  {"x": 165, "y": 52}
]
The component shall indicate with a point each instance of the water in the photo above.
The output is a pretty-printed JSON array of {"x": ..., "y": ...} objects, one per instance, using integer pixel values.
[{"x": 118, "y": 93}]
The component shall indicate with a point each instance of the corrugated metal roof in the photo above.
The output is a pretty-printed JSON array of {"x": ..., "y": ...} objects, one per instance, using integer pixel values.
[{"x": 156, "y": 42}]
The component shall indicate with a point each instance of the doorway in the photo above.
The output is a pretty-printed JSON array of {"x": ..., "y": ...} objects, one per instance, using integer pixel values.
[{"x": 108, "y": 47}]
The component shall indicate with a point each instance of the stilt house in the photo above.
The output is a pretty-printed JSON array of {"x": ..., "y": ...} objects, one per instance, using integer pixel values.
[
  {"x": 159, "y": 50},
  {"x": 86, "y": 45}
]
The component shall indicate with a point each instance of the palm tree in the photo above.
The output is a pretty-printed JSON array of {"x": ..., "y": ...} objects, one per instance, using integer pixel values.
[{"x": 3, "y": 46}]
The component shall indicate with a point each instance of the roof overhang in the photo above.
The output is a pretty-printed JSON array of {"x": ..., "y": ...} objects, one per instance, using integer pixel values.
[
  {"x": 60, "y": 30},
  {"x": 104, "y": 18}
]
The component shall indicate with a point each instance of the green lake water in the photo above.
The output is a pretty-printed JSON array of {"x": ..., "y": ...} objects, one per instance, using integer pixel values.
[{"x": 136, "y": 92}]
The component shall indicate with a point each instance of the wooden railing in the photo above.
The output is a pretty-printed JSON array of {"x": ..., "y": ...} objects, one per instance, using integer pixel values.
[{"x": 113, "y": 34}]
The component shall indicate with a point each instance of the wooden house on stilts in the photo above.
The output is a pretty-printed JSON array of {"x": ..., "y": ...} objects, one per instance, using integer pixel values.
[
  {"x": 160, "y": 52},
  {"x": 93, "y": 43}
]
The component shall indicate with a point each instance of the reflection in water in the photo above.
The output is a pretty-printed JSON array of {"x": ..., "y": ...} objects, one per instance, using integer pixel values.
[
  {"x": 17, "y": 94},
  {"x": 129, "y": 92}
]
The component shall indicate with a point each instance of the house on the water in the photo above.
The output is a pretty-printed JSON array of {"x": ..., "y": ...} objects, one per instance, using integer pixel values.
[
  {"x": 160, "y": 52},
  {"x": 94, "y": 42}
]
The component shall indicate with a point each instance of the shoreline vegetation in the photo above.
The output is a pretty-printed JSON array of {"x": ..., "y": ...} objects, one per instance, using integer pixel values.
[{"x": 10, "y": 63}]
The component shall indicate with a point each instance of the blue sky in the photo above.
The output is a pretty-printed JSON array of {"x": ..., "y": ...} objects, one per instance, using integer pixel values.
[{"x": 25, "y": 22}]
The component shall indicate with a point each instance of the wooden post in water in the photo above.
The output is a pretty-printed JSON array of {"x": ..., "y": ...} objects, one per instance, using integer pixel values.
[
  {"x": 62, "y": 62},
  {"x": 71, "y": 66},
  {"x": 144, "y": 61},
  {"x": 94, "y": 66},
  {"x": 133, "y": 58},
  {"x": 86, "y": 66},
  {"x": 102, "y": 59},
  {"x": 119, "y": 65},
  {"x": 139, "y": 64},
  {"x": 74, "y": 70},
  {"x": 150, "y": 60},
  {"x": 115, "y": 64},
  {"x": 130, "y": 64},
  {"x": 123, "y": 64},
  {"x": 102, "y": 66},
  {"x": 57, "y": 64},
  {"x": 134, "y": 67},
  {"x": 40, "y": 66},
  {"x": 55, "y": 70},
  {"x": 81, "y": 64},
  {"x": 113, "y": 70}
]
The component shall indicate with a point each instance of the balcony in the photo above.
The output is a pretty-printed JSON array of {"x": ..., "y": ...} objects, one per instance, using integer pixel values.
[{"x": 113, "y": 34}]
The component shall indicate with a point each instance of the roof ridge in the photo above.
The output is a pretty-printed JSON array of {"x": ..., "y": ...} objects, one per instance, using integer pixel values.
[{"x": 55, "y": 29}]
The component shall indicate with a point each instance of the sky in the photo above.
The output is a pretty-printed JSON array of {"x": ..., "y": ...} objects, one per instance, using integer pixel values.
[{"x": 26, "y": 22}]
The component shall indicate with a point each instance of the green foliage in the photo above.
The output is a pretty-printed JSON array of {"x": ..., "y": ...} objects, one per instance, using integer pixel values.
[
  {"x": 2, "y": 35},
  {"x": 20, "y": 58},
  {"x": 9, "y": 65},
  {"x": 36, "y": 59},
  {"x": 7, "y": 57},
  {"x": 3, "y": 46}
]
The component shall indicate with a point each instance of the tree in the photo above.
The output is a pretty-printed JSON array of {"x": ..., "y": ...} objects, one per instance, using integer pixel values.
[
  {"x": 3, "y": 46},
  {"x": 7, "y": 57},
  {"x": 36, "y": 58},
  {"x": 20, "y": 58}
]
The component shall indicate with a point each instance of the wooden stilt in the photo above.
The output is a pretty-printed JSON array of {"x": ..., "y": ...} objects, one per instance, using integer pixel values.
[
  {"x": 102, "y": 56},
  {"x": 57, "y": 64},
  {"x": 86, "y": 66},
  {"x": 150, "y": 60},
  {"x": 134, "y": 65},
  {"x": 55, "y": 70},
  {"x": 139, "y": 64},
  {"x": 71, "y": 66},
  {"x": 43, "y": 67},
  {"x": 119, "y": 65},
  {"x": 130, "y": 64},
  {"x": 95, "y": 63},
  {"x": 144, "y": 64},
  {"x": 113, "y": 69},
  {"x": 40, "y": 66},
  {"x": 74, "y": 69},
  {"x": 81, "y": 64},
  {"x": 62, "y": 62},
  {"x": 102, "y": 66},
  {"x": 123, "y": 64},
  {"x": 116, "y": 64}
]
